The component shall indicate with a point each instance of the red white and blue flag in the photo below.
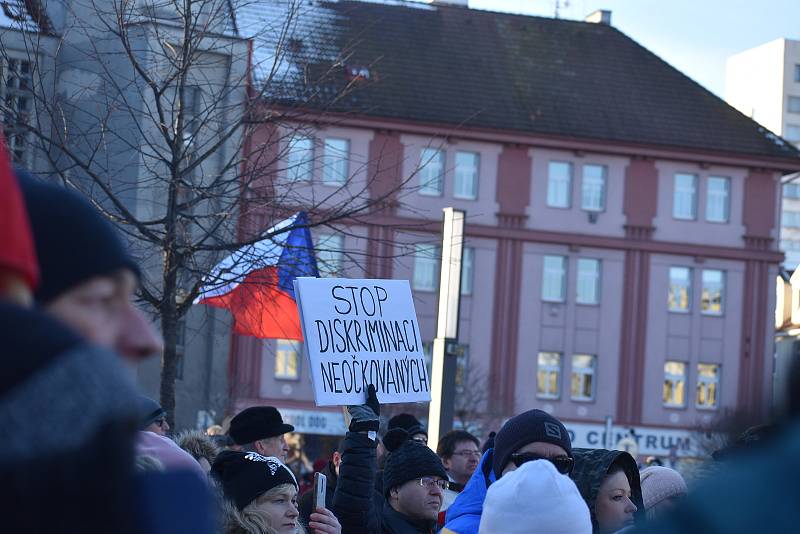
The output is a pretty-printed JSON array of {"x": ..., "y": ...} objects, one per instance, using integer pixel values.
[{"x": 255, "y": 282}]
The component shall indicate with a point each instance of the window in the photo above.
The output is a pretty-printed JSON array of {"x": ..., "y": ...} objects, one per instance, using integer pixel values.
[
  {"x": 793, "y": 104},
  {"x": 593, "y": 190},
  {"x": 684, "y": 203},
  {"x": 466, "y": 181},
  {"x": 467, "y": 270},
  {"x": 789, "y": 244},
  {"x": 553, "y": 279},
  {"x": 336, "y": 161},
  {"x": 431, "y": 172},
  {"x": 791, "y": 190},
  {"x": 287, "y": 359},
  {"x": 790, "y": 218},
  {"x": 674, "y": 384},
  {"x": 426, "y": 262},
  {"x": 713, "y": 294},
  {"x": 707, "y": 385},
  {"x": 330, "y": 255},
  {"x": 680, "y": 289},
  {"x": 18, "y": 108},
  {"x": 797, "y": 73},
  {"x": 299, "y": 159},
  {"x": 588, "y": 286},
  {"x": 582, "y": 377},
  {"x": 559, "y": 184},
  {"x": 792, "y": 133},
  {"x": 717, "y": 199},
  {"x": 548, "y": 375}
]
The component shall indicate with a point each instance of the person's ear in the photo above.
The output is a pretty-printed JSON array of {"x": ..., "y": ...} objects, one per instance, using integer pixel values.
[{"x": 446, "y": 463}]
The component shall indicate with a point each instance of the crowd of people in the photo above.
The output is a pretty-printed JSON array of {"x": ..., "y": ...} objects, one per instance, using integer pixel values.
[{"x": 87, "y": 452}]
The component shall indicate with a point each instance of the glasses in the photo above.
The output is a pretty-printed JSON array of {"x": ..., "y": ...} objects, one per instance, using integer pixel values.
[
  {"x": 468, "y": 454},
  {"x": 429, "y": 483},
  {"x": 563, "y": 464},
  {"x": 420, "y": 439},
  {"x": 161, "y": 422}
]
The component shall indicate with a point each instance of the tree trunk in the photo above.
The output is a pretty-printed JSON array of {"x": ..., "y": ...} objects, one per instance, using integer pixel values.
[{"x": 169, "y": 363}]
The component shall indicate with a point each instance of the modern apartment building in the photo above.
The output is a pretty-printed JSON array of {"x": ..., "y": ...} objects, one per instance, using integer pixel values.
[
  {"x": 764, "y": 84},
  {"x": 622, "y": 221}
]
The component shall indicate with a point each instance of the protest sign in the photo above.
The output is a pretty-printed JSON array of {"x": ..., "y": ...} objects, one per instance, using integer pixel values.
[{"x": 361, "y": 332}]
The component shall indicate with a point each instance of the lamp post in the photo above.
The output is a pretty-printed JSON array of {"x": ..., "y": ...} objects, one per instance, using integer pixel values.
[{"x": 443, "y": 368}]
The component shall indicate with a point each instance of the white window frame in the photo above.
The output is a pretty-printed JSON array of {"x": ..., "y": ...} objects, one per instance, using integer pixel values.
[
  {"x": 286, "y": 351},
  {"x": 793, "y": 104},
  {"x": 335, "y": 161},
  {"x": 675, "y": 379},
  {"x": 715, "y": 199},
  {"x": 431, "y": 172},
  {"x": 684, "y": 195},
  {"x": 426, "y": 267},
  {"x": 705, "y": 284},
  {"x": 579, "y": 376},
  {"x": 591, "y": 200},
  {"x": 706, "y": 383},
  {"x": 467, "y": 270},
  {"x": 300, "y": 158},
  {"x": 556, "y": 185},
  {"x": 551, "y": 274},
  {"x": 672, "y": 298},
  {"x": 467, "y": 177},
  {"x": 586, "y": 276},
  {"x": 330, "y": 255},
  {"x": 547, "y": 370}
]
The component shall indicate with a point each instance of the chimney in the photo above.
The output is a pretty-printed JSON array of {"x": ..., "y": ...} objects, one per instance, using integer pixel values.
[{"x": 600, "y": 16}]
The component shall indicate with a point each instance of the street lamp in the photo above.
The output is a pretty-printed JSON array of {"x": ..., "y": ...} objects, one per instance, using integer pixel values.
[{"x": 443, "y": 368}]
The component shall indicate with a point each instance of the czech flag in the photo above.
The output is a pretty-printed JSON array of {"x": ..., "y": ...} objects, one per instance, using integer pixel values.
[{"x": 255, "y": 282}]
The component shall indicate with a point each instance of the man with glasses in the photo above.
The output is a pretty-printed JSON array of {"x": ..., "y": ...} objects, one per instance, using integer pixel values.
[
  {"x": 153, "y": 416},
  {"x": 460, "y": 453},
  {"x": 531, "y": 435},
  {"x": 414, "y": 478},
  {"x": 411, "y": 425}
]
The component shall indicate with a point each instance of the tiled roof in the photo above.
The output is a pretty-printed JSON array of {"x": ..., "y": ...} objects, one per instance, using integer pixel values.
[{"x": 457, "y": 66}]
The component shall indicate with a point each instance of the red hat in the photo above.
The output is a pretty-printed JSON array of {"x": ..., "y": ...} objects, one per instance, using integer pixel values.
[{"x": 17, "y": 252}]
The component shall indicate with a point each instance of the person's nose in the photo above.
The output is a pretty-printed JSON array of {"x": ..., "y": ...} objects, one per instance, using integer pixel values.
[
  {"x": 631, "y": 508},
  {"x": 292, "y": 512},
  {"x": 137, "y": 337},
  {"x": 436, "y": 490}
]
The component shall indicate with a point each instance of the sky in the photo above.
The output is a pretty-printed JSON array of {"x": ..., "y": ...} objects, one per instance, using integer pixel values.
[{"x": 695, "y": 36}]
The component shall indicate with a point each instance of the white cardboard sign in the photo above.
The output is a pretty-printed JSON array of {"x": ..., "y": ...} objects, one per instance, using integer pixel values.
[{"x": 361, "y": 332}]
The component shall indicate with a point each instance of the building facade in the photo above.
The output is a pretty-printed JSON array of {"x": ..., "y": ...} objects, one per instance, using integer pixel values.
[
  {"x": 764, "y": 84},
  {"x": 621, "y": 240}
]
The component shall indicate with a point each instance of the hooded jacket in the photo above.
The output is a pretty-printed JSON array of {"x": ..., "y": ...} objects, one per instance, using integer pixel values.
[
  {"x": 464, "y": 515},
  {"x": 591, "y": 468}
]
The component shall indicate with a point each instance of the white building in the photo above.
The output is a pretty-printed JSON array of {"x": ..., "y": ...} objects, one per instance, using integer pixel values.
[{"x": 764, "y": 84}]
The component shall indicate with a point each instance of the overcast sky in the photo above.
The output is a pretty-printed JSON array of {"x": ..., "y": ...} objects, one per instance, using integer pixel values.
[{"x": 696, "y": 36}]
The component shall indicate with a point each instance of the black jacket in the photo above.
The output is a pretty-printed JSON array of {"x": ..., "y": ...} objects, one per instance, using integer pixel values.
[
  {"x": 359, "y": 508},
  {"x": 306, "y": 502}
]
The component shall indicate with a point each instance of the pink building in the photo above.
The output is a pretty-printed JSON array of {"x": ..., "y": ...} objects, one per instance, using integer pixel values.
[{"x": 622, "y": 221}]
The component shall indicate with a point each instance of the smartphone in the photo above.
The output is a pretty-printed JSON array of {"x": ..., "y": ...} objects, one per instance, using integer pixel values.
[{"x": 320, "y": 487}]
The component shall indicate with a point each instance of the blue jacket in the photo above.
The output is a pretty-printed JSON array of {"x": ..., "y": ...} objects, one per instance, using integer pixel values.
[{"x": 464, "y": 515}]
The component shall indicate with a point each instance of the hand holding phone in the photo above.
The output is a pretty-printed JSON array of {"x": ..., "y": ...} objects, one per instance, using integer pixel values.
[{"x": 320, "y": 487}]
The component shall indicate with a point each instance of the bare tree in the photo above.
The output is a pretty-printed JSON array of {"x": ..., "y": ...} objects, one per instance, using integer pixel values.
[{"x": 184, "y": 128}]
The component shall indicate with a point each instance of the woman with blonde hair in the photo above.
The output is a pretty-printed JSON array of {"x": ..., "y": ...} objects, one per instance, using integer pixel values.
[{"x": 261, "y": 497}]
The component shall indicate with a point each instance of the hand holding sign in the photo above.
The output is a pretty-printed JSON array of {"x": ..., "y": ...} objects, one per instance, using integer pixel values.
[
  {"x": 362, "y": 332},
  {"x": 366, "y": 417}
]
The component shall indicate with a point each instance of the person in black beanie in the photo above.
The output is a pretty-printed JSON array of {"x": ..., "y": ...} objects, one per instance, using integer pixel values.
[
  {"x": 152, "y": 416},
  {"x": 262, "y": 493},
  {"x": 413, "y": 479},
  {"x": 87, "y": 276},
  {"x": 411, "y": 425}
]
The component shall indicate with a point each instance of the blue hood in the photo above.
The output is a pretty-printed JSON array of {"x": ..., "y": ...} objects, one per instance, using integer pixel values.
[{"x": 464, "y": 515}]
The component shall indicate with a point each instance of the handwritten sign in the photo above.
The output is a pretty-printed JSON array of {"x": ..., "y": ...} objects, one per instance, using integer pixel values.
[{"x": 361, "y": 332}]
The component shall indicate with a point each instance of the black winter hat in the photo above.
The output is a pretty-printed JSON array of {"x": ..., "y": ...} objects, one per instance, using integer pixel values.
[
  {"x": 257, "y": 422},
  {"x": 149, "y": 411},
  {"x": 246, "y": 475},
  {"x": 528, "y": 427},
  {"x": 74, "y": 242},
  {"x": 407, "y": 460},
  {"x": 407, "y": 422}
]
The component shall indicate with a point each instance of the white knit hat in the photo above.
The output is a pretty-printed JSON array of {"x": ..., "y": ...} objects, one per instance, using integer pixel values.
[{"x": 535, "y": 499}]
